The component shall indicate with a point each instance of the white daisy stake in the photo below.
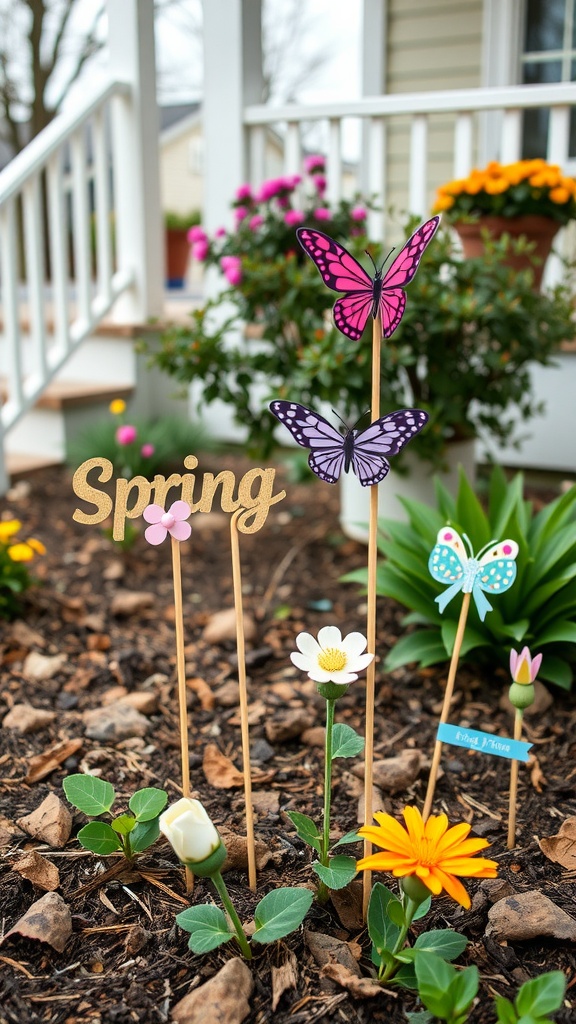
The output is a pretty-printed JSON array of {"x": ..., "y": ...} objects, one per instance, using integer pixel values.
[{"x": 333, "y": 663}]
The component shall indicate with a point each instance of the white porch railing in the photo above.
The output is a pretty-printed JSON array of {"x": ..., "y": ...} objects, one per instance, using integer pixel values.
[
  {"x": 80, "y": 221},
  {"x": 484, "y": 124}
]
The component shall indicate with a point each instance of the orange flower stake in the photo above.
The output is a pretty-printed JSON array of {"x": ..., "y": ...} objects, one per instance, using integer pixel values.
[
  {"x": 428, "y": 851},
  {"x": 237, "y": 583}
]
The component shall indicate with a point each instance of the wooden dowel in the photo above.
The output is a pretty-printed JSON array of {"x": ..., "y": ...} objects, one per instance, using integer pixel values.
[
  {"x": 511, "y": 843},
  {"x": 240, "y": 647},
  {"x": 446, "y": 703},
  {"x": 181, "y": 674},
  {"x": 371, "y": 618}
]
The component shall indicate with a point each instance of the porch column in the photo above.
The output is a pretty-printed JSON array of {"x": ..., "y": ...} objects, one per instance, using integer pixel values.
[
  {"x": 232, "y": 80},
  {"x": 139, "y": 232},
  {"x": 373, "y": 162}
]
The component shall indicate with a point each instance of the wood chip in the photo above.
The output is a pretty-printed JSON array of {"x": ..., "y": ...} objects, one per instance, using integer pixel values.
[
  {"x": 222, "y": 1000},
  {"x": 219, "y": 770},
  {"x": 561, "y": 848},
  {"x": 42, "y": 764},
  {"x": 38, "y": 870},
  {"x": 204, "y": 692},
  {"x": 284, "y": 978},
  {"x": 47, "y": 920},
  {"x": 362, "y": 988},
  {"x": 40, "y": 667},
  {"x": 51, "y": 822},
  {"x": 25, "y": 719}
]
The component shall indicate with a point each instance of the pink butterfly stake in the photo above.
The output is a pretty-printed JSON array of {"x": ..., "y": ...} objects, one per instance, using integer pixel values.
[{"x": 380, "y": 296}]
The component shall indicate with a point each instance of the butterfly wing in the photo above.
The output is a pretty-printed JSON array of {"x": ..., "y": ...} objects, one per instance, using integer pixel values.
[
  {"x": 400, "y": 273},
  {"x": 342, "y": 273},
  {"x": 386, "y": 436},
  {"x": 351, "y": 313},
  {"x": 310, "y": 430},
  {"x": 447, "y": 564},
  {"x": 498, "y": 567}
]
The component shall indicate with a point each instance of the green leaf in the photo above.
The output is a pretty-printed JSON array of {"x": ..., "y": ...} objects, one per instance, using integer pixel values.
[
  {"x": 505, "y": 1011},
  {"x": 420, "y": 1017},
  {"x": 559, "y": 632},
  {"x": 434, "y": 977},
  {"x": 338, "y": 874},
  {"x": 208, "y": 927},
  {"x": 443, "y": 941},
  {"x": 145, "y": 833},
  {"x": 89, "y": 794},
  {"x": 406, "y": 977},
  {"x": 472, "y": 638},
  {"x": 425, "y": 646},
  {"x": 123, "y": 824},
  {"x": 346, "y": 742},
  {"x": 306, "y": 830},
  {"x": 463, "y": 989},
  {"x": 423, "y": 909},
  {"x": 396, "y": 913},
  {"x": 470, "y": 511},
  {"x": 148, "y": 803},
  {"x": 380, "y": 928},
  {"x": 281, "y": 912},
  {"x": 542, "y": 995},
  {"x": 99, "y": 837},
  {"x": 350, "y": 837},
  {"x": 556, "y": 670}
]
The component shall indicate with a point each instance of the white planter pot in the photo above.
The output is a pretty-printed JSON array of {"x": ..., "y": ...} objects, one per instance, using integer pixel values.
[{"x": 417, "y": 484}]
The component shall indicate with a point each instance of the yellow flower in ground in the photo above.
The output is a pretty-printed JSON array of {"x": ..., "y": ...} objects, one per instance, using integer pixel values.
[
  {"x": 36, "y": 545},
  {"x": 494, "y": 186},
  {"x": 8, "y": 528},
  {"x": 21, "y": 552},
  {"x": 117, "y": 406},
  {"x": 429, "y": 850}
]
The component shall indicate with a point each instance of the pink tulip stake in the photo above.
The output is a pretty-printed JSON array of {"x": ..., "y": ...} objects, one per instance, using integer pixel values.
[
  {"x": 240, "y": 647},
  {"x": 523, "y": 669}
]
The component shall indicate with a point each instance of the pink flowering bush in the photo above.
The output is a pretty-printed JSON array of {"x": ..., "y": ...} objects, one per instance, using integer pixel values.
[{"x": 276, "y": 287}]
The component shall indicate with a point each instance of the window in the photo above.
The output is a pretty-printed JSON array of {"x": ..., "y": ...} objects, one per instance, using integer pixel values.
[{"x": 549, "y": 55}]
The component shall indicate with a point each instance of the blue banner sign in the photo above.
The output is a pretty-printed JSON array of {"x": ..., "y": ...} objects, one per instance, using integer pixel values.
[{"x": 484, "y": 742}]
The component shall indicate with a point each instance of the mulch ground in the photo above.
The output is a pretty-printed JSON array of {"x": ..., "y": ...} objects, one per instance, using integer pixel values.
[{"x": 126, "y": 960}]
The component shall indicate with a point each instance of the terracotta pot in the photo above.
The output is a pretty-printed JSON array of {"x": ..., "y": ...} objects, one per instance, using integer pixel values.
[
  {"x": 177, "y": 255},
  {"x": 540, "y": 230}
]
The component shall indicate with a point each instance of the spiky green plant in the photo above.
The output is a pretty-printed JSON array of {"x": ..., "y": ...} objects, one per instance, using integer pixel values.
[{"x": 539, "y": 609}]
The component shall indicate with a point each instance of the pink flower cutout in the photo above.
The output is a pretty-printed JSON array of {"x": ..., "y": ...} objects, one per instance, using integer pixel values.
[
  {"x": 173, "y": 522},
  {"x": 126, "y": 434}
]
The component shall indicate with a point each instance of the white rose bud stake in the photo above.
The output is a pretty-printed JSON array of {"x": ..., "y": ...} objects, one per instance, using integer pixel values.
[{"x": 193, "y": 837}]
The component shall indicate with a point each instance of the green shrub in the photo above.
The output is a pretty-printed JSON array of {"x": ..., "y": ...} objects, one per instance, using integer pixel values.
[{"x": 540, "y": 608}]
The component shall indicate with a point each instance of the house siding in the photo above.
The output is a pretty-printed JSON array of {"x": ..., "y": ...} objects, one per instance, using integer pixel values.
[{"x": 429, "y": 46}]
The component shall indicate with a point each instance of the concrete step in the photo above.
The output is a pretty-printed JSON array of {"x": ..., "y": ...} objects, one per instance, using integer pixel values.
[{"x": 20, "y": 465}]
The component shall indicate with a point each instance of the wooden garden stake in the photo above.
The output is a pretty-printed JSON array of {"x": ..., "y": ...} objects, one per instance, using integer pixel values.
[
  {"x": 514, "y": 765},
  {"x": 371, "y": 619},
  {"x": 448, "y": 693},
  {"x": 181, "y": 674},
  {"x": 240, "y": 647}
]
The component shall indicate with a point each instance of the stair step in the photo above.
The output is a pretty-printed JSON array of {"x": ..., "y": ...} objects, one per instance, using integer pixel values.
[
  {"x": 22, "y": 464},
  {"x": 69, "y": 394}
]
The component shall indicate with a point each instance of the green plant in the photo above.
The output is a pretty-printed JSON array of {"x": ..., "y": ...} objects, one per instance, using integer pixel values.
[
  {"x": 128, "y": 833},
  {"x": 539, "y": 610},
  {"x": 15, "y": 577},
  {"x": 448, "y": 995},
  {"x": 526, "y": 187},
  {"x": 462, "y": 352},
  {"x": 181, "y": 221},
  {"x": 157, "y": 444}
]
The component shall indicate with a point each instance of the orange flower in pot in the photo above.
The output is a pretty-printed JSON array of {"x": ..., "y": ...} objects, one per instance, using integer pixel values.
[{"x": 529, "y": 199}]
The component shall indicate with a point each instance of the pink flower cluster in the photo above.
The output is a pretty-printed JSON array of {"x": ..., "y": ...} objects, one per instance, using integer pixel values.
[
  {"x": 199, "y": 241},
  {"x": 126, "y": 434},
  {"x": 232, "y": 269}
]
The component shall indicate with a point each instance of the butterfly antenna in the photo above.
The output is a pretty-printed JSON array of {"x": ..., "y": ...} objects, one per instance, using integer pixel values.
[
  {"x": 343, "y": 422},
  {"x": 469, "y": 543},
  {"x": 384, "y": 262},
  {"x": 486, "y": 547},
  {"x": 371, "y": 258}
]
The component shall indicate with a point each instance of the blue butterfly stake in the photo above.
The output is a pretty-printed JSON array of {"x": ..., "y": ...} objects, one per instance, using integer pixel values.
[{"x": 492, "y": 570}]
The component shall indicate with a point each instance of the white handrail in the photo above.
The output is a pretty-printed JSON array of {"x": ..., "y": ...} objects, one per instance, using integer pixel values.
[
  {"x": 437, "y": 102},
  {"x": 35, "y": 156}
]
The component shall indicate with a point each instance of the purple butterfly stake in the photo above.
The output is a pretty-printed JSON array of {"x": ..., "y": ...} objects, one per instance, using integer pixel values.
[
  {"x": 365, "y": 295},
  {"x": 363, "y": 450}
]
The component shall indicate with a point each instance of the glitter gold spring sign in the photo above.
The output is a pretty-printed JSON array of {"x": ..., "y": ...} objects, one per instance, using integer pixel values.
[{"x": 248, "y": 499}]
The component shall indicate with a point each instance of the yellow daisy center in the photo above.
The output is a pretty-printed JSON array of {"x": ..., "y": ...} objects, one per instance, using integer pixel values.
[{"x": 332, "y": 659}]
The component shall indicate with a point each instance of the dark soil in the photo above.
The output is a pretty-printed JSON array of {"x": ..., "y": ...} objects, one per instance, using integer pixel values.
[{"x": 126, "y": 960}]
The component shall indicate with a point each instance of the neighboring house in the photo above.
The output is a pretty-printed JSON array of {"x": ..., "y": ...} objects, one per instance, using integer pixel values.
[{"x": 182, "y": 158}]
